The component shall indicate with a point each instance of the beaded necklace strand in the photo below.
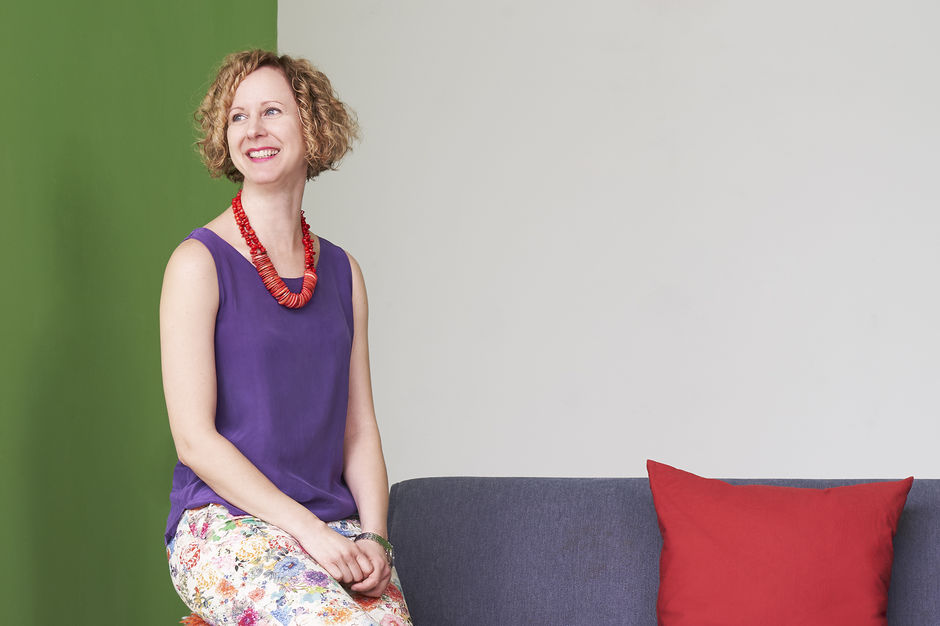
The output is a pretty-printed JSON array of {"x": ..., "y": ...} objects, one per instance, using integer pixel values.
[{"x": 259, "y": 257}]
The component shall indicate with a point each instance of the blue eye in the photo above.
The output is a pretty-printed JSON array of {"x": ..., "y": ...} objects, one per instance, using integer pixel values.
[
  {"x": 272, "y": 111},
  {"x": 238, "y": 117}
]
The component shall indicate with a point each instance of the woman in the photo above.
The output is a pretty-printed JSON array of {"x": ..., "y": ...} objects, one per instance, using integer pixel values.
[{"x": 280, "y": 496}]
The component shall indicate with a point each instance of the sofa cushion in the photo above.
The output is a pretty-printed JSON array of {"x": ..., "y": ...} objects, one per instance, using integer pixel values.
[
  {"x": 482, "y": 551},
  {"x": 751, "y": 554}
]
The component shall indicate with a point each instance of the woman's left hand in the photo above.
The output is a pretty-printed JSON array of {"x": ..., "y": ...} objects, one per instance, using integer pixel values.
[{"x": 375, "y": 583}]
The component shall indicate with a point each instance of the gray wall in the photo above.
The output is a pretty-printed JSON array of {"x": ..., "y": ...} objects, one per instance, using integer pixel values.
[{"x": 702, "y": 232}]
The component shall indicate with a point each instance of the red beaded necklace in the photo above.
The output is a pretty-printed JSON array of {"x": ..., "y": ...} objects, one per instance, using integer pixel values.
[{"x": 269, "y": 276}]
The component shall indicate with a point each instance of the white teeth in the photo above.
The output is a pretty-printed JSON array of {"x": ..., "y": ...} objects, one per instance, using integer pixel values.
[{"x": 258, "y": 154}]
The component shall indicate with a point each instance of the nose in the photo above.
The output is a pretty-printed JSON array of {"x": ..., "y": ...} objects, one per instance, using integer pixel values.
[{"x": 255, "y": 126}]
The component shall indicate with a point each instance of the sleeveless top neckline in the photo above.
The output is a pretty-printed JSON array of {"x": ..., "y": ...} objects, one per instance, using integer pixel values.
[{"x": 234, "y": 250}]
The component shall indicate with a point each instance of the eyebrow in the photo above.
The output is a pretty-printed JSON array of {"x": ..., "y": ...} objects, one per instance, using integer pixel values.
[{"x": 232, "y": 108}]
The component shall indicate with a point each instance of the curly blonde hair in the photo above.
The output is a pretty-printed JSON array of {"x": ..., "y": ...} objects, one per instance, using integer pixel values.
[{"x": 329, "y": 126}]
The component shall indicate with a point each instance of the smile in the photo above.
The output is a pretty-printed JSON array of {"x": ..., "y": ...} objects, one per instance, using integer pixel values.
[{"x": 262, "y": 154}]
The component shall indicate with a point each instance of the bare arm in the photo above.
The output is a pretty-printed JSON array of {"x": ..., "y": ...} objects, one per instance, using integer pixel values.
[
  {"x": 364, "y": 463},
  {"x": 188, "y": 306}
]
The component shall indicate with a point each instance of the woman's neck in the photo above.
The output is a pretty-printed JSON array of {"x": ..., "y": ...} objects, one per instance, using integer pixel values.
[{"x": 274, "y": 213}]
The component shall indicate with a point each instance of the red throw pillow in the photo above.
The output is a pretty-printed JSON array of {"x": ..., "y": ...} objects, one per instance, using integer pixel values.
[{"x": 754, "y": 555}]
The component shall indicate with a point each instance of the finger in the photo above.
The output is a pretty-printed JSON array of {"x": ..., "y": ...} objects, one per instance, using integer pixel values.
[
  {"x": 365, "y": 563},
  {"x": 363, "y": 586},
  {"x": 355, "y": 570},
  {"x": 383, "y": 584},
  {"x": 370, "y": 590},
  {"x": 335, "y": 572},
  {"x": 375, "y": 591},
  {"x": 375, "y": 585},
  {"x": 368, "y": 582},
  {"x": 345, "y": 574}
]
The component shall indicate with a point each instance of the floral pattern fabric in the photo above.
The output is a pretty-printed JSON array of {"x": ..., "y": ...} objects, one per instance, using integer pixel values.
[{"x": 241, "y": 570}]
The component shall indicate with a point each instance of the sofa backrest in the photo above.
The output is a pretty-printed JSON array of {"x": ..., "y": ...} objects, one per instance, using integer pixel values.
[{"x": 571, "y": 551}]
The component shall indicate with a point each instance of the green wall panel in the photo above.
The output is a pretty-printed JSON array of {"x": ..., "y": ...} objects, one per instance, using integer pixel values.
[{"x": 100, "y": 181}]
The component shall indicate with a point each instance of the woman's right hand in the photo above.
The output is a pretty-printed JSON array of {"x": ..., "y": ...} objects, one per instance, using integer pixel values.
[{"x": 339, "y": 556}]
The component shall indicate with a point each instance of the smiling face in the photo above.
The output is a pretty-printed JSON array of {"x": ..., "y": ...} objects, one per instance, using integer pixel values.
[{"x": 265, "y": 136}]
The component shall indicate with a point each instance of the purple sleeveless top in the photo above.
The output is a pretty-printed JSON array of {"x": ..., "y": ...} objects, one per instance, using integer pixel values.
[{"x": 282, "y": 382}]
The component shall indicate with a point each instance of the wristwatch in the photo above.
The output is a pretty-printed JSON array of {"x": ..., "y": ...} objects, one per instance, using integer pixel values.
[{"x": 382, "y": 541}]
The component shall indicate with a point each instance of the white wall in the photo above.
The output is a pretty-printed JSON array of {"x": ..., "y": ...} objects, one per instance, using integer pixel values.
[{"x": 701, "y": 232}]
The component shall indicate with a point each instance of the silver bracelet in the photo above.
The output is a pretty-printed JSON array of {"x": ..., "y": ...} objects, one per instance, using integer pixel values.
[{"x": 382, "y": 541}]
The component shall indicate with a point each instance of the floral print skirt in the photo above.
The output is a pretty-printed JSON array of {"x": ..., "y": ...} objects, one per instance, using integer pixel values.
[{"x": 241, "y": 570}]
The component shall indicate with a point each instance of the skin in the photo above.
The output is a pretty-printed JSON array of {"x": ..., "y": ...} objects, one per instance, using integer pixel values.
[{"x": 265, "y": 114}]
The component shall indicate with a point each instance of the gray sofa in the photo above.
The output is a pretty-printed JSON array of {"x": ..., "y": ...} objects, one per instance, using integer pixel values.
[{"x": 573, "y": 551}]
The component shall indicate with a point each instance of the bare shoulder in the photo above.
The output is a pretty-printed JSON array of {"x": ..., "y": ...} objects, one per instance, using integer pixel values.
[
  {"x": 191, "y": 258},
  {"x": 190, "y": 278},
  {"x": 357, "y": 280}
]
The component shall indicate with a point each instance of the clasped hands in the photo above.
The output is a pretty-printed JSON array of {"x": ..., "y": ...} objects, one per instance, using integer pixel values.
[{"x": 361, "y": 566}]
